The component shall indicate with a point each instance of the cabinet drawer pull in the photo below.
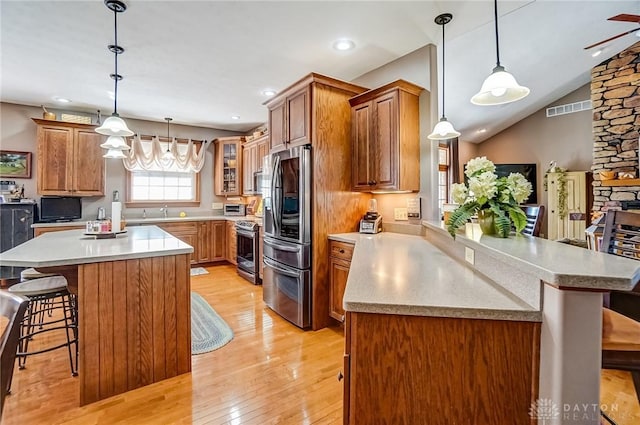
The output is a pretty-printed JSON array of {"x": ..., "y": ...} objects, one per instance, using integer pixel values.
[
  {"x": 341, "y": 251},
  {"x": 340, "y": 376}
]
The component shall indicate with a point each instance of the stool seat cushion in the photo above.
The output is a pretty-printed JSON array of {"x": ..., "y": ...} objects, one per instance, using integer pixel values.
[
  {"x": 619, "y": 332},
  {"x": 40, "y": 286},
  {"x": 32, "y": 273}
]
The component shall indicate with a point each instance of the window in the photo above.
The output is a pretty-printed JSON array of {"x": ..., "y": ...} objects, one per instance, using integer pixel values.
[
  {"x": 155, "y": 186},
  {"x": 443, "y": 175}
]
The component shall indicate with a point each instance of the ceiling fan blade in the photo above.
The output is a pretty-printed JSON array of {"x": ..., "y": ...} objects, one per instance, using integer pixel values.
[
  {"x": 625, "y": 18},
  {"x": 612, "y": 38}
]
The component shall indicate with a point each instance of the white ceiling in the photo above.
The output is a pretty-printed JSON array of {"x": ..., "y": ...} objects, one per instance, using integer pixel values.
[{"x": 201, "y": 62}]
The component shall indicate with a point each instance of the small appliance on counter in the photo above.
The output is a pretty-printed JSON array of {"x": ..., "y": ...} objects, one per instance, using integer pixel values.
[
  {"x": 372, "y": 221},
  {"x": 235, "y": 209}
]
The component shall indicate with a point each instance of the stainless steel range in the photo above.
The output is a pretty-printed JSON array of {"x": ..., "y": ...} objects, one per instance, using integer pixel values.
[{"x": 248, "y": 256}]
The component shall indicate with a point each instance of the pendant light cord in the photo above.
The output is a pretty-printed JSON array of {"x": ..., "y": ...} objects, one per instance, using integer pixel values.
[
  {"x": 116, "y": 76},
  {"x": 495, "y": 15},
  {"x": 443, "y": 73}
]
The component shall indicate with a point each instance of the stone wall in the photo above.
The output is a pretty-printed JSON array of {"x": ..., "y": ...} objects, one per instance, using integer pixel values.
[{"x": 615, "y": 94}]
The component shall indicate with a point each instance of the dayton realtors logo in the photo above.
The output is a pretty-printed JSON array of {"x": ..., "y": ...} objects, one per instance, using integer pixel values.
[{"x": 545, "y": 409}]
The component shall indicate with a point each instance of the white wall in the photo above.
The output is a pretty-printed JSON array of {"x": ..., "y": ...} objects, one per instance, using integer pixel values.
[{"x": 18, "y": 132}]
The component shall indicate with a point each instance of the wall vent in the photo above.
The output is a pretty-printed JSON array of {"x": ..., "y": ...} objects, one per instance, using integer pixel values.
[{"x": 569, "y": 108}]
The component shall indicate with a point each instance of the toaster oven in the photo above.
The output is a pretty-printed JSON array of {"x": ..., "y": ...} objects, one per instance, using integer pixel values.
[{"x": 235, "y": 209}]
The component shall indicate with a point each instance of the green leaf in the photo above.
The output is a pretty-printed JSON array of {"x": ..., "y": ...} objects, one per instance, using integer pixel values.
[
  {"x": 460, "y": 216},
  {"x": 518, "y": 217},
  {"x": 502, "y": 225}
]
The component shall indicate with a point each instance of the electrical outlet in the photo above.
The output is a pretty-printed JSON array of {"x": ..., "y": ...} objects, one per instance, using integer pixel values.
[
  {"x": 216, "y": 206},
  {"x": 400, "y": 214},
  {"x": 469, "y": 255}
]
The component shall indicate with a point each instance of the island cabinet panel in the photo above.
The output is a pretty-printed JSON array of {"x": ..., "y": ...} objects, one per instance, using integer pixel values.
[
  {"x": 134, "y": 324},
  {"x": 415, "y": 370}
]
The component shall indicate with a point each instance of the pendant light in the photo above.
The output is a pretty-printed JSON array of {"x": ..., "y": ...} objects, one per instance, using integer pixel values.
[
  {"x": 444, "y": 129},
  {"x": 168, "y": 157},
  {"x": 500, "y": 87},
  {"x": 114, "y": 125}
]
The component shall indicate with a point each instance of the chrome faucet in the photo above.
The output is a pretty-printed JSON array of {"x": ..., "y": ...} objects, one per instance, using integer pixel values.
[{"x": 164, "y": 211}]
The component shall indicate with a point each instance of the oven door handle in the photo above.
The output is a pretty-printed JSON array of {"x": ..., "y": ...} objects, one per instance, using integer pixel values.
[
  {"x": 247, "y": 233},
  {"x": 281, "y": 247},
  {"x": 287, "y": 271}
]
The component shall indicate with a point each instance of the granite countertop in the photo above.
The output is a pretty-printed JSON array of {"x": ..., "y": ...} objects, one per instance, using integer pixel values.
[
  {"x": 68, "y": 247},
  {"x": 155, "y": 220},
  {"x": 404, "y": 274},
  {"x": 553, "y": 262}
]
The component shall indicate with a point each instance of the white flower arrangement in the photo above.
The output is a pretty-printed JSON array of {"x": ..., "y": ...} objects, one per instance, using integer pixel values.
[{"x": 487, "y": 191}]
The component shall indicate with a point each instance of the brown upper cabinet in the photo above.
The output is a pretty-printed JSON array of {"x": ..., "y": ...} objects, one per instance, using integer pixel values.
[
  {"x": 69, "y": 159},
  {"x": 385, "y": 138},
  {"x": 290, "y": 118},
  {"x": 252, "y": 154},
  {"x": 228, "y": 166}
]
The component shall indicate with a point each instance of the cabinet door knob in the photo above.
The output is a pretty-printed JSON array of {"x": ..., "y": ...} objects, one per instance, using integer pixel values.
[
  {"x": 340, "y": 376},
  {"x": 341, "y": 251}
]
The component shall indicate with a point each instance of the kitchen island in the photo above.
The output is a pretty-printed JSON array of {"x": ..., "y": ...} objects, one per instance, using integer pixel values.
[
  {"x": 133, "y": 300},
  {"x": 474, "y": 330}
]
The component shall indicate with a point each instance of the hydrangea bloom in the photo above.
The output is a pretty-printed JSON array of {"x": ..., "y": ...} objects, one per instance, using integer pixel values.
[
  {"x": 479, "y": 165},
  {"x": 459, "y": 193},
  {"x": 519, "y": 187},
  {"x": 484, "y": 185}
]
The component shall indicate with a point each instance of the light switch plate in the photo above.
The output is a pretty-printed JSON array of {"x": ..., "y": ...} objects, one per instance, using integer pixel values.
[
  {"x": 469, "y": 255},
  {"x": 400, "y": 214},
  {"x": 216, "y": 206}
]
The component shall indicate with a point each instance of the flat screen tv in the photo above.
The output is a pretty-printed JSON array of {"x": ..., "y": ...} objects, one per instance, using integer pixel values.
[
  {"x": 60, "y": 208},
  {"x": 529, "y": 173}
]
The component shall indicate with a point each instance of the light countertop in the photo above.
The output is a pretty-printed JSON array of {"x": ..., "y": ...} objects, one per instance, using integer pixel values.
[
  {"x": 70, "y": 247},
  {"x": 552, "y": 262},
  {"x": 157, "y": 220},
  {"x": 404, "y": 274}
]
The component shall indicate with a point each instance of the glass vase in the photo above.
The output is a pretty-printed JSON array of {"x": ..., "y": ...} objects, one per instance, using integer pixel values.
[{"x": 485, "y": 220}]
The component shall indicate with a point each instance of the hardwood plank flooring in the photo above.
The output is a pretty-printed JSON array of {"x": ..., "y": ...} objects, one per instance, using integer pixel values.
[{"x": 270, "y": 373}]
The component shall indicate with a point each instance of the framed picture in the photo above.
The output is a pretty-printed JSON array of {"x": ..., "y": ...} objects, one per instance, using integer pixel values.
[{"x": 15, "y": 164}]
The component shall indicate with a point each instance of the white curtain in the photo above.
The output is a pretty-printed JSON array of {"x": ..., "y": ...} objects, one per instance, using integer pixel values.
[{"x": 152, "y": 155}]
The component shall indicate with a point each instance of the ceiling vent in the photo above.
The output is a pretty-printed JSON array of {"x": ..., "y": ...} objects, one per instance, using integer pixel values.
[{"x": 569, "y": 108}]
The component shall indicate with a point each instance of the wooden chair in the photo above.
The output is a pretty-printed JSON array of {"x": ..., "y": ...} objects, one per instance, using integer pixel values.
[
  {"x": 620, "y": 333},
  {"x": 535, "y": 215},
  {"x": 12, "y": 311}
]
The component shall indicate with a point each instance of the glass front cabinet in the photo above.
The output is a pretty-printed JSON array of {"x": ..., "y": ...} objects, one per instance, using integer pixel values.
[{"x": 228, "y": 169}]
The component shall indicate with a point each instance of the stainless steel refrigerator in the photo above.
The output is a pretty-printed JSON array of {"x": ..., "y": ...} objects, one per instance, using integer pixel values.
[{"x": 287, "y": 198}]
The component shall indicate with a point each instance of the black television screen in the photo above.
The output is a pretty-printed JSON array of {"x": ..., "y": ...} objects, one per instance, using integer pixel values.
[
  {"x": 60, "y": 208},
  {"x": 529, "y": 173}
]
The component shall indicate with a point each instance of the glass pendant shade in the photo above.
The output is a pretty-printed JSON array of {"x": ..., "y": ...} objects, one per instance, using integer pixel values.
[
  {"x": 500, "y": 87},
  {"x": 116, "y": 143},
  {"x": 114, "y": 153},
  {"x": 114, "y": 126},
  {"x": 443, "y": 131}
]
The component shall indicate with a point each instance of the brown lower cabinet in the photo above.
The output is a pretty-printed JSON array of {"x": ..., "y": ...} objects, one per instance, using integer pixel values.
[
  {"x": 206, "y": 237},
  {"x": 232, "y": 243},
  {"x": 340, "y": 254},
  {"x": 434, "y": 370}
]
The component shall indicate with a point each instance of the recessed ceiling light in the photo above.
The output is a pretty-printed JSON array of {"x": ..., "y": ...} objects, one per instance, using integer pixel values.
[
  {"x": 482, "y": 130},
  {"x": 344, "y": 44},
  {"x": 596, "y": 53},
  {"x": 235, "y": 117},
  {"x": 61, "y": 99},
  {"x": 268, "y": 92}
]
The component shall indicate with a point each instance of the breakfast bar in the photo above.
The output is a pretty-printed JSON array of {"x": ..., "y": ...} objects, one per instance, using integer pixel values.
[
  {"x": 474, "y": 330},
  {"x": 133, "y": 296}
]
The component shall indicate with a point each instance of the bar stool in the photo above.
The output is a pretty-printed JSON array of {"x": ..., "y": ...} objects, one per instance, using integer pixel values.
[{"x": 48, "y": 295}]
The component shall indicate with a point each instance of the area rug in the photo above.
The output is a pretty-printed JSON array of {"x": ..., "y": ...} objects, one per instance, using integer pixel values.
[
  {"x": 196, "y": 271},
  {"x": 208, "y": 330}
]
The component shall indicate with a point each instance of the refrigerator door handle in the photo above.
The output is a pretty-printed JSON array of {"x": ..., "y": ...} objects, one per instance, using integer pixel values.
[
  {"x": 275, "y": 203},
  {"x": 281, "y": 247},
  {"x": 287, "y": 271}
]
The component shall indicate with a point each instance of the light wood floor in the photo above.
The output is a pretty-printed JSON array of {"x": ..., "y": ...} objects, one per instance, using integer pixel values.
[{"x": 270, "y": 373}]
